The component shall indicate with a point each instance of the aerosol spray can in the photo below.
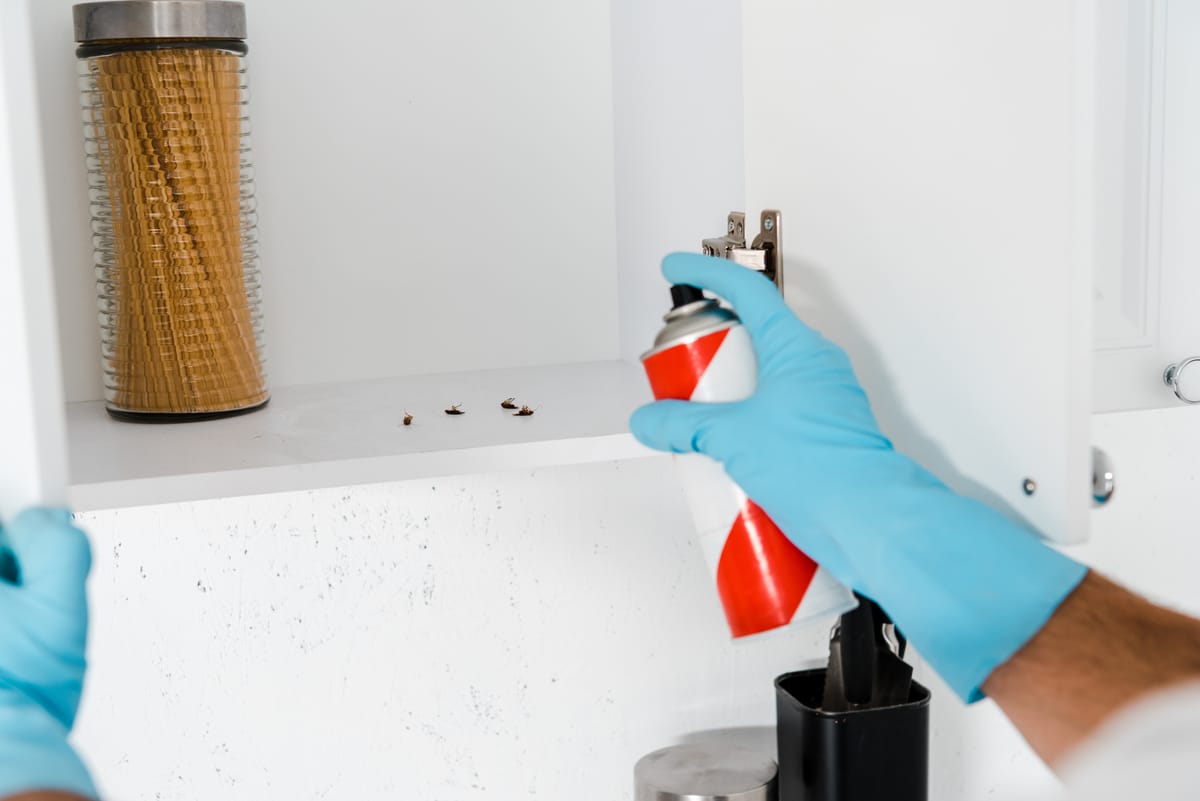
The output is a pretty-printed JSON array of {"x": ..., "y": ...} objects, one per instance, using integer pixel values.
[{"x": 704, "y": 354}]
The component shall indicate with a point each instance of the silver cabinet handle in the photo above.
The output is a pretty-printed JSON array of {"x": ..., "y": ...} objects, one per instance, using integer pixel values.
[{"x": 1173, "y": 377}]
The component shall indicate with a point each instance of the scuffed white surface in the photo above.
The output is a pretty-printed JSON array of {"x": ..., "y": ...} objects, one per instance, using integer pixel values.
[{"x": 490, "y": 637}]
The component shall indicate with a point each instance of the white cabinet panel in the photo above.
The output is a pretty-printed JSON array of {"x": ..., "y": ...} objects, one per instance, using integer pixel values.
[
  {"x": 678, "y": 141},
  {"x": 1147, "y": 200},
  {"x": 930, "y": 160},
  {"x": 32, "y": 457},
  {"x": 1128, "y": 155}
]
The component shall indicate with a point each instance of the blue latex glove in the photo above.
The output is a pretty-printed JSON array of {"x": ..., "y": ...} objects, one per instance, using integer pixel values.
[
  {"x": 965, "y": 584},
  {"x": 44, "y": 562}
]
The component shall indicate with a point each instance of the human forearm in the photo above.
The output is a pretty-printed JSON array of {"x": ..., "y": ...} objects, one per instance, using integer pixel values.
[
  {"x": 1103, "y": 648},
  {"x": 49, "y": 795}
]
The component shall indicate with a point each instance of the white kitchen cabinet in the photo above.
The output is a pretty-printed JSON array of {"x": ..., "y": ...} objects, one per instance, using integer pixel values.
[
  {"x": 32, "y": 458},
  {"x": 1147, "y": 202},
  {"x": 465, "y": 201}
]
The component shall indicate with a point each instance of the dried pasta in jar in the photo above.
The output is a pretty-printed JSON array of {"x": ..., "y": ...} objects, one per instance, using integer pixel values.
[{"x": 171, "y": 190}]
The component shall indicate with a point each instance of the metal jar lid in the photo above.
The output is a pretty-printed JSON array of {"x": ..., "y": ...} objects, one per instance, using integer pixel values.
[
  {"x": 159, "y": 19},
  {"x": 704, "y": 772}
]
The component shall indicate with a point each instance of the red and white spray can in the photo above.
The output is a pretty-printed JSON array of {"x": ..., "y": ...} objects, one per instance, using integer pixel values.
[{"x": 704, "y": 354}]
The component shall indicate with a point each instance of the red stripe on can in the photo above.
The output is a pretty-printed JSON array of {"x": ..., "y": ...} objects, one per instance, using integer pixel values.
[
  {"x": 762, "y": 577},
  {"x": 675, "y": 372}
]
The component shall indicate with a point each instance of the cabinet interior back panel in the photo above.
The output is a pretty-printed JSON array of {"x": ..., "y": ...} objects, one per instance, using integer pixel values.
[
  {"x": 435, "y": 186},
  {"x": 925, "y": 162}
]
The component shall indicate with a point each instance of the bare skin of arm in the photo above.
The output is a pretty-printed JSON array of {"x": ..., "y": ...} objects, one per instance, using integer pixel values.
[
  {"x": 44, "y": 795},
  {"x": 1102, "y": 649}
]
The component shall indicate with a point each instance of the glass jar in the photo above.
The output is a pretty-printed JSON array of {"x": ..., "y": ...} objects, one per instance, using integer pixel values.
[{"x": 171, "y": 190}]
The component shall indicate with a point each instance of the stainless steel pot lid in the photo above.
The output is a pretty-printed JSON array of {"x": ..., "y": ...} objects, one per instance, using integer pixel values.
[{"x": 704, "y": 772}]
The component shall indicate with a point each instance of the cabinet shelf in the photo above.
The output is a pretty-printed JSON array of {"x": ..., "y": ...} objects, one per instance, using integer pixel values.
[
  {"x": 340, "y": 434},
  {"x": 510, "y": 207}
]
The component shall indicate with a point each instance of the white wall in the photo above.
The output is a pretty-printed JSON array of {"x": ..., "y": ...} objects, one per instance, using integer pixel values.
[
  {"x": 487, "y": 637},
  {"x": 492, "y": 637}
]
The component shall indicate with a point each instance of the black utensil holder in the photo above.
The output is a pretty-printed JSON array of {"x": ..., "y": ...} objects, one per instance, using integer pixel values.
[{"x": 877, "y": 754}]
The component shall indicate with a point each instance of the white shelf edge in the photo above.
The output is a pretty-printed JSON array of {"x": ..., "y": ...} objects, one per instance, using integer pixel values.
[
  {"x": 181, "y": 488},
  {"x": 340, "y": 435}
]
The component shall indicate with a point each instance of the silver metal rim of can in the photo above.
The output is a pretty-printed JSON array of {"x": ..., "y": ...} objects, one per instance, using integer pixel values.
[
  {"x": 159, "y": 19},
  {"x": 689, "y": 337}
]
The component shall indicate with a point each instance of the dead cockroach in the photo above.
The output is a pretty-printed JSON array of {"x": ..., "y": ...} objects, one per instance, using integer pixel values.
[
  {"x": 407, "y": 419},
  {"x": 454, "y": 409},
  {"x": 524, "y": 412},
  {"x": 508, "y": 403}
]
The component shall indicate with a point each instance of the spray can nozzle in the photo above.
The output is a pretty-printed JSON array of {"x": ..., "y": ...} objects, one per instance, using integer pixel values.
[{"x": 683, "y": 294}]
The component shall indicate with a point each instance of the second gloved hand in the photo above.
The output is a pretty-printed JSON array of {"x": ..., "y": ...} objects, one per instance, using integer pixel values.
[
  {"x": 965, "y": 584},
  {"x": 44, "y": 562}
]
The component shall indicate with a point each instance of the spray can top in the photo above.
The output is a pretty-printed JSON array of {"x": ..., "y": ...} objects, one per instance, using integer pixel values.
[{"x": 692, "y": 315}]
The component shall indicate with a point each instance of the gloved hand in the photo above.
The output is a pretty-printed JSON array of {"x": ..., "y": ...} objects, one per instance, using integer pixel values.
[
  {"x": 966, "y": 585},
  {"x": 44, "y": 562}
]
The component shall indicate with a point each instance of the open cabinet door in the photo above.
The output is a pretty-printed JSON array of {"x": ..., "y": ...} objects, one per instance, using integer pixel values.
[
  {"x": 933, "y": 166},
  {"x": 32, "y": 446}
]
